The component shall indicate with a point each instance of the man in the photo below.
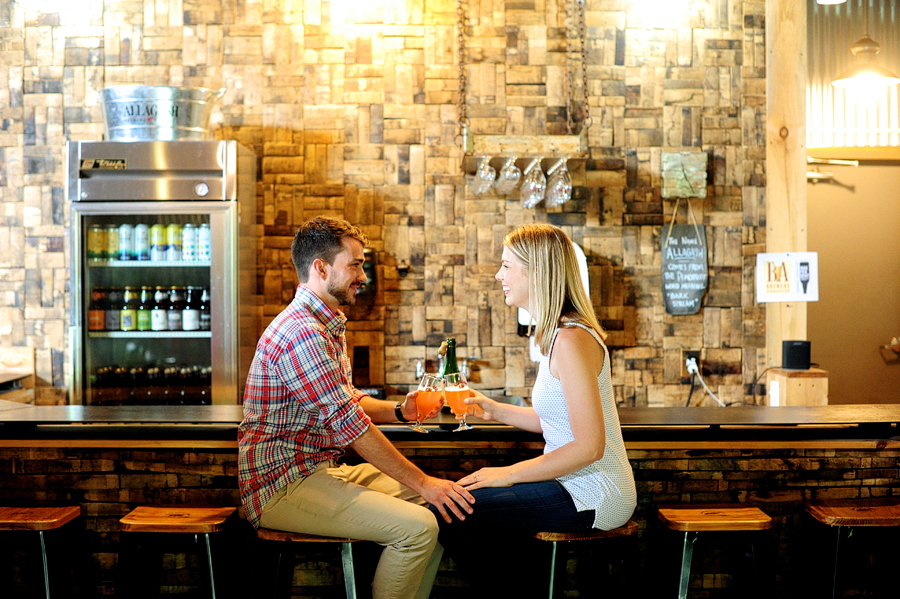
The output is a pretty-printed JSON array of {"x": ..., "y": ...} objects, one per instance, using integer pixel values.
[{"x": 301, "y": 409}]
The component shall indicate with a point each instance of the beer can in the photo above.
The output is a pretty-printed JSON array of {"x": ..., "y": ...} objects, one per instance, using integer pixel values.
[
  {"x": 173, "y": 242},
  {"x": 158, "y": 243},
  {"x": 126, "y": 242},
  {"x": 96, "y": 243},
  {"x": 112, "y": 242},
  {"x": 189, "y": 243},
  {"x": 141, "y": 242},
  {"x": 203, "y": 242}
]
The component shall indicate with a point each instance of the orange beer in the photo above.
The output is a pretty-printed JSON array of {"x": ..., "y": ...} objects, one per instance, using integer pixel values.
[
  {"x": 455, "y": 396},
  {"x": 427, "y": 401}
]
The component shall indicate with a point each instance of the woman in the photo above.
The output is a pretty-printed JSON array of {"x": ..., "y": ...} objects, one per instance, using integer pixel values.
[{"x": 583, "y": 479}]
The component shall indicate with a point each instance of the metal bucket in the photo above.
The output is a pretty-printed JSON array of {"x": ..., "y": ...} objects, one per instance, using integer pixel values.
[{"x": 157, "y": 112}]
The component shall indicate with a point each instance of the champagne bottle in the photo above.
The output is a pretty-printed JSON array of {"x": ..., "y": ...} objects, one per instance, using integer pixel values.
[{"x": 448, "y": 350}]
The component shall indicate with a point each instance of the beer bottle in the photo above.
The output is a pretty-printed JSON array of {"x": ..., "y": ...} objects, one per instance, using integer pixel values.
[
  {"x": 96, "y": 310},
  {"x": 176, "y": 309},
  {"x": 205, "y": 316},
  {"x": 113, "y": 311},
  {"x": 170, "y": 386},
  {"x": 449, "y": 352},
  {"x": 205, "y": 384},
  {"x": 128, "y": 314},
  {"x": 190, "y": 319},
  {"x": 154, "y": 386},
  {"x": 158, "y": 318},
  {"x": 145, "y": 305}
]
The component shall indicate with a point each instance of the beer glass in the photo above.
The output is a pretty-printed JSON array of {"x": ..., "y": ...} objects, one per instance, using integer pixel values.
[
  {"x": 428, "y": 397},
  {"x": 508, "y": 177},
  {"x": 484, "y": 176},
  {"x": 456, "y": 390},
  {"x": 534, "y": 184}
]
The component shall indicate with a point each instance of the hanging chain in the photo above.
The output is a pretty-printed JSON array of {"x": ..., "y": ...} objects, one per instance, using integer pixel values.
[
  {"x": 461, "y": 105},
  {"x": 582, "y": 35},
  {"x": 570, "y": 67}
]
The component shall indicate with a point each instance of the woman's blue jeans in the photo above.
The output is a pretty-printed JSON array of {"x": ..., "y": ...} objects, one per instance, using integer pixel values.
[{"x": 494, "y": 546}]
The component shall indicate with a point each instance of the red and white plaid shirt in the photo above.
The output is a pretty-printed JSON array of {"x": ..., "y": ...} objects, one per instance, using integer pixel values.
[{"x": 300, "y": 405}]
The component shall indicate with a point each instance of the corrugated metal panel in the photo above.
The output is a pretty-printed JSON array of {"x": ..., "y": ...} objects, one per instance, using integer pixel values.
[{"x": 843, "y": 118}]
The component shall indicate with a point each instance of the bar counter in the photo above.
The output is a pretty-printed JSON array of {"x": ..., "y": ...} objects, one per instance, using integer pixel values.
[
  {"x": 111, "y": 459},
  {"x": 643, "y": 428}
]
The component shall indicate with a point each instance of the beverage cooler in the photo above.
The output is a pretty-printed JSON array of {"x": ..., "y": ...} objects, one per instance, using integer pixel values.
[{"x": 163, "y": 271}]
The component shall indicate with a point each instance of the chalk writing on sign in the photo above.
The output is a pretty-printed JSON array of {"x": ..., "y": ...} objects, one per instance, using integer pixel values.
[{"x": 684, "y": 268}]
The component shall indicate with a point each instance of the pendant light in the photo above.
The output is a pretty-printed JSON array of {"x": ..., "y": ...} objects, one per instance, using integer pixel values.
[{"x": 866, "y": 74}]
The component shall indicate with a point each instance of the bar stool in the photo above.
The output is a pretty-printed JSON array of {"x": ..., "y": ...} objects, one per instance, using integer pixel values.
[
  {"x": 38, "y": 519},
  {"x": 694, "y": 520},
  {"x": 845, "y": 515},
  {"x": 285, "y": 563},
  {"x": 171, "y": 519},
  {"x": 629, "y": 529}
]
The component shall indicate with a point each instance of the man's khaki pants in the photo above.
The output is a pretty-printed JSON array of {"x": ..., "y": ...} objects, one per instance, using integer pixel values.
[{"x": 361, "y": 502}]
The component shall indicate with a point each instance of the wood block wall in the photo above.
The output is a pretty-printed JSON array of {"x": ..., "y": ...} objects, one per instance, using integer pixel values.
[{"x": 351, "y": 108}]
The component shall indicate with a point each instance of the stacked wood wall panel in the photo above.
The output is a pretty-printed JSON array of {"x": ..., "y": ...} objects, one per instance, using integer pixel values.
[{"x": 353, "y": 113}]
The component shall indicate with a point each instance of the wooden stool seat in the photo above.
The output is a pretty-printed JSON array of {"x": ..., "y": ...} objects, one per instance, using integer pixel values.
[
  {"x": 179, "y": 519},
  {"x": 694, "y": 520},
  {"x": 268, "y": 534},
  {"x": 171, "y": 519},
  {"x": 38, "y": 519},
  {"x": 855, "y": 515},
  {"x": 715, "y": 519},
  {"x": 845, "y": 515},
  {"x": 285, "y": 565},
  {"x": 628, "y": 529}
]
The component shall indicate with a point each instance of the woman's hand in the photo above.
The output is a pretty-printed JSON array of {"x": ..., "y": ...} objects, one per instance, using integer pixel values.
[
  {"x": 488, "y": 477},
  {"x": 481, "y": 406}
]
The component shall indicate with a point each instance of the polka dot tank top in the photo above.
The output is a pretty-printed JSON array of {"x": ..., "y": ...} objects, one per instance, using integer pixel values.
[{"x": 607, "y": 485}]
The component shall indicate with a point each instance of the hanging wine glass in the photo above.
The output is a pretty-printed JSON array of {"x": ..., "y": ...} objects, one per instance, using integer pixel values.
[
  {"x": 531, "y": 192},
  {"x": 559, "y": 186},
  {"x": 508, "y": 177},
  {"x": 484, "y": 176}
]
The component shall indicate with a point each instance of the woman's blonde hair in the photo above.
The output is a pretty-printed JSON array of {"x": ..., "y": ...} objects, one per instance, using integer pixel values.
[{"x": 556, "y": 293}]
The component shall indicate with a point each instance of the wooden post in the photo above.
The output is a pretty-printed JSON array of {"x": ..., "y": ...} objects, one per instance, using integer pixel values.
[{"x": 785, "y": 157}]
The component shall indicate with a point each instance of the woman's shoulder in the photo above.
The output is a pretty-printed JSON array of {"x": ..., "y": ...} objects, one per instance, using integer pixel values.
[{"x": 575, "y": 338}]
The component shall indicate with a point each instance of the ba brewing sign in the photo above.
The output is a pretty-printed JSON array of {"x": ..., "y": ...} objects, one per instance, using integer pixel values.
[{"x": 684, "y": 270}]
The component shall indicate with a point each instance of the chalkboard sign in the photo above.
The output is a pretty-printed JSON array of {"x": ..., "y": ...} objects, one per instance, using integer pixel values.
[{"x": 684, "y": 270}]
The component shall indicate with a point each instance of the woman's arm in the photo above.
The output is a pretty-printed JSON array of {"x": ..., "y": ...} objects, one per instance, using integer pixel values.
[
  {"x": 576, "y": 361},
  {"x": 522, "y": 417}
]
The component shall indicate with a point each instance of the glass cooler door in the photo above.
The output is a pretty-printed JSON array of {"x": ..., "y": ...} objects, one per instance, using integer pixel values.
[{"x": 149, "y": 286}]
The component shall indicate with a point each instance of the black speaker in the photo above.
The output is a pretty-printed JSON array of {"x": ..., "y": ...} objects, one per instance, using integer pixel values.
[{"x": 795, "y": 355}]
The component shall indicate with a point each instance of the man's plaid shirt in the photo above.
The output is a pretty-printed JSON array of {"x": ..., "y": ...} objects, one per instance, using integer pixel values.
[{"x": 300, "y": 406}]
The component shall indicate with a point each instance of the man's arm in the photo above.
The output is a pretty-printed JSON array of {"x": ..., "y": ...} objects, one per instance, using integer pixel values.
[
  {"x": 383, "y": 411},
  {"x": 374, "y": 447}
]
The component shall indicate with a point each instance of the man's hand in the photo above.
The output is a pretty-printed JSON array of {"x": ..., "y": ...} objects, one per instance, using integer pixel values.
[
  {"x": 447, "y": 495},
  {"x": 410, "y": 411}
]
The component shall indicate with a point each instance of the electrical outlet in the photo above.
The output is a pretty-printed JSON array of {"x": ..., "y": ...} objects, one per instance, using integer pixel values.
[{"x": 687, "y": 354}]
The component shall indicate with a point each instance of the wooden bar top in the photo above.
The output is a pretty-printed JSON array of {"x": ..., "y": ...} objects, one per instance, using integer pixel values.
[
  {"x": 733, "y": 428},
  {"x": 735, "y": 416}
]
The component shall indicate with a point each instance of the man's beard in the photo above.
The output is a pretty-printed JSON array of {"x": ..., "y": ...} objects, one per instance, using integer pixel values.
[{"x": 342, "y": 295}]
